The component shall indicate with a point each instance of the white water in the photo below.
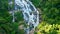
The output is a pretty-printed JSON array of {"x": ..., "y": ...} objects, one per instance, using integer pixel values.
[{"x": 30, "y": 13}]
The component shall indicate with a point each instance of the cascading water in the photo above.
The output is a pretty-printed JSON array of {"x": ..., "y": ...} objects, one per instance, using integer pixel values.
[
  {"x": 30, "y": 13},
  {"x": 11, "y": 9}
]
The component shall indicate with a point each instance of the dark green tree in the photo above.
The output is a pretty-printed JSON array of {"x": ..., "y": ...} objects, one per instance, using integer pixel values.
[
  {"x": 6, "y": 24},
  {"x": 50, "y": 10}
]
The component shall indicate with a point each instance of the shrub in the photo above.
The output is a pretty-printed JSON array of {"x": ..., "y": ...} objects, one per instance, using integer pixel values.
[{"x": 45, "y": 28}]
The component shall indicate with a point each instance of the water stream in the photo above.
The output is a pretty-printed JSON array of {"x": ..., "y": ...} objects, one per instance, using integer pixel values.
[{"x": 30, "y": 13}]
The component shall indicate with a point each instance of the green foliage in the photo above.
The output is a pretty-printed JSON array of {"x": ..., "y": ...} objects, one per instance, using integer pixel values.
[
  {"x": 50, "y": 16},
  {"x": 35, "y": 2},
  {"x": 5, "y": 17},
  {"x": 9, "y": 28},
  {"x": 19, "y": 16},
  {"x": 21, "y": 32},
  {"x": 6, "y": 25},
  {"x": 45, "y": 28},
  {"x": 3, "y": 4},
  {"x": 50, "y": 10}
]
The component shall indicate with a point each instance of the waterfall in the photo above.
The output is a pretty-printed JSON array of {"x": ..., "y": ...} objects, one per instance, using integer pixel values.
[{"x": 30, "y": 13}]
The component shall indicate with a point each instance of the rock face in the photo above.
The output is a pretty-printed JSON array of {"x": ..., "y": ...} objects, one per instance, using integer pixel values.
[
  {"x": 21, "y": 26},
  {"x": 32, "y": 31}
]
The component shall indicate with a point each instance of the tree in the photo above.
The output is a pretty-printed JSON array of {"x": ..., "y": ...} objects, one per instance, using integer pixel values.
[
  {"x": 50, "y": 10},
  {"x": 6, "y": 24}
]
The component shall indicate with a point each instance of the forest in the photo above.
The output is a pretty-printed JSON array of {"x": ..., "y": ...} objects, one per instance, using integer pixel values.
[{"x": 49, "y": 18}]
